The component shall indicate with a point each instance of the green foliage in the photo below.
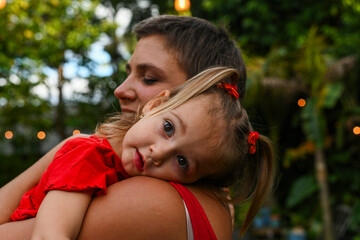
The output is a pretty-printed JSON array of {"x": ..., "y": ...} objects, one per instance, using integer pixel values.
[
  {"x": 355, "y": 220},
  {"x": 313, "y": 123},
  {"x": 330, "y": 94},
  {"x": 301, "y": 189},
  {"x": 36, "y": 38}
]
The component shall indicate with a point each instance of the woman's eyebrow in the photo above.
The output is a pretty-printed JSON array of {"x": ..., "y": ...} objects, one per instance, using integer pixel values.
[{"x": 147, "y": 66}]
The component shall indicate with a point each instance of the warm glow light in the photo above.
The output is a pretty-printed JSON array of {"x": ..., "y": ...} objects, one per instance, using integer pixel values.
[
  {"x": 76, "y": 132},
  {"x": 356, "y": 130},
  {"x": 182, "y": 5},
  {"x": 41, "y": 135},
  {"x": 301, "y": 102},
  {"x": 2, "y": 4},
  {"x": 9, "y": 134}
]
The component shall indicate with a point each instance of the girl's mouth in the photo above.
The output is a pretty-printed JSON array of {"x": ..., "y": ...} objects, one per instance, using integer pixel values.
[{"x": 139, "y": 162}]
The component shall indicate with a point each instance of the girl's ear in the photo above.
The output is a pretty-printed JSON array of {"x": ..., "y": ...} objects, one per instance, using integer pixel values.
[{"x": 156, "y": 101}]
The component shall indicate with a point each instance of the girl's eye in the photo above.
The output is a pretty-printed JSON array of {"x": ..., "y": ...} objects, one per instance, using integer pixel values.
[
  {"x": 150, "y": 81},
  {"x": 168, "y": 128},
  {"x": 183, "y": 163}
]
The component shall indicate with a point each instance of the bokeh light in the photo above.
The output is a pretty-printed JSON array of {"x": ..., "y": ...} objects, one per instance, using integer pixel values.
[
  {"x": 76, "y": 132},
  {"x": 41, "y": 135},
  {"x": 9, "y": 134},
  {"x": 182, "y": 5},
  {"x": 2, "y": 4},
  {"x": 301, "y": 102},
  {"x": 356, "y": 130}
]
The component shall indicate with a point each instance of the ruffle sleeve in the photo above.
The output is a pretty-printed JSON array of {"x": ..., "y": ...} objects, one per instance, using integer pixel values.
[{"x": 80, "y": 166}]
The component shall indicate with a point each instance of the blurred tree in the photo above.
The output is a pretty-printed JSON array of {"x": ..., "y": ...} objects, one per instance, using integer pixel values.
[
  {"x": 317, "y": 130},
  {"x": 37, "y": 39}
]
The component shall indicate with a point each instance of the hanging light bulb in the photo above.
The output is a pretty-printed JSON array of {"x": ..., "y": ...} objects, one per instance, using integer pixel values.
[
  {"x": 182, "y": 5},
  {"x": 2, "y": 4}
]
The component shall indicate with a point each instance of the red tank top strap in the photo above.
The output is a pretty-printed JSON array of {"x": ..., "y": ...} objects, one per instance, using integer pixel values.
[{"x": 200, "y": 223}]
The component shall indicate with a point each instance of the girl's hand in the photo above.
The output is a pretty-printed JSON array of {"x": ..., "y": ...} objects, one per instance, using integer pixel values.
[
  {"x": 11, "y": 193},
  {"x": 61, "y": 214}
]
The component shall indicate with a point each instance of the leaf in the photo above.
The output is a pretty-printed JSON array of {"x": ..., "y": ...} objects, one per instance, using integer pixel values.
[
  {"x": 355, "y": 217},
  {"x": 330, "y": 94},
  {"x": 301, "y": 189},
  {"x": 313, "y": 123}
]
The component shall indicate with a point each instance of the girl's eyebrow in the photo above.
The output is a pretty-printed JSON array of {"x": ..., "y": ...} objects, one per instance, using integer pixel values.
[{"x": 182, "y": 123}]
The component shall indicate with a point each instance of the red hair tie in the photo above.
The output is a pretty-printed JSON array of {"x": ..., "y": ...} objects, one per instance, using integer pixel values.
[
  {"x": 230, "y": 88},
  {"x": 253, "y": 136}
]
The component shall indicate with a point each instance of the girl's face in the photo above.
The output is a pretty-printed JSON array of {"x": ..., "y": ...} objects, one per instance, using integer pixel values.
[
  {"x": 179, "y": 145},
  {"x": 151, "y": 69}
]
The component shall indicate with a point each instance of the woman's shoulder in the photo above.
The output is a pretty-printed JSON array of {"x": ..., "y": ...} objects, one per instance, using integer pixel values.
[
  {"x": 136, "y": 208},
  {"x": 144, "y": 207},
  {"x": 217, "y": 212}
]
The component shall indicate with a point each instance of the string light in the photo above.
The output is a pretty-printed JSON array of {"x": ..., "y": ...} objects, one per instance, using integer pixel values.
[
  {"x": 356, "y": 130},
  {"x": 182, "y": 5},
  {"x": 41, "y": 135},
  {"x": 9, "y": 134},
  {"x": 76, "y": 132},
  {"x": 301, "y": 102}
]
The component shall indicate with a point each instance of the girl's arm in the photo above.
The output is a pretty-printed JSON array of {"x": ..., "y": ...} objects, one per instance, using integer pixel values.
[
  {"x": 136, "y": 208},
  {"x": 11, "y": 193},
  {"x": 61, "y": 214}
]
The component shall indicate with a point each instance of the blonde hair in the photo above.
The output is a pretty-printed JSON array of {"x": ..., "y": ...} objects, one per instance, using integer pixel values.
[{"x": 249, "y": 176}]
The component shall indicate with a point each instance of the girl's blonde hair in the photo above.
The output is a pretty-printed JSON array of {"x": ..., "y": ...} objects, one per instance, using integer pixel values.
[{"x": 249, "y": 176}]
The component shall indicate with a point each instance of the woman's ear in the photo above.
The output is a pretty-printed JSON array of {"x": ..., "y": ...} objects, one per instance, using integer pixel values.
[{"x": 156, "y": 101}]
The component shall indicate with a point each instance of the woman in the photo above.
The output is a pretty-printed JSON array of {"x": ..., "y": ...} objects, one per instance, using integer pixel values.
[{"x": 170, "y": 50}]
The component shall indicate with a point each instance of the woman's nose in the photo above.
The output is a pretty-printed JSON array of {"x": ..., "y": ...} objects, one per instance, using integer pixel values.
[{"x": 125, "y": 92}]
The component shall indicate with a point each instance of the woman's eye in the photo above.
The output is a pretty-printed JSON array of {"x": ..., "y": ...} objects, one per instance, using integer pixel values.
[
  {"x": 183, "y": 163},
  {"x": 168, "y": 128},
  {"x": 150, "y": 81}
]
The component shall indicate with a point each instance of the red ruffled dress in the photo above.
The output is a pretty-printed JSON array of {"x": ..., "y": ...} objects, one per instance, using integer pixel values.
[{"x": 80, "y": 164}]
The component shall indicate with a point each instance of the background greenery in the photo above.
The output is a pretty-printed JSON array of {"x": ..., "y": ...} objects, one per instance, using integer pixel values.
[{"x": 293, "y": 49}]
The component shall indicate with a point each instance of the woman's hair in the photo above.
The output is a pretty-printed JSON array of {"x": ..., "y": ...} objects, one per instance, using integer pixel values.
[
  {"x": 196, "y": 44},
  {"x": 248, "y": 175}
]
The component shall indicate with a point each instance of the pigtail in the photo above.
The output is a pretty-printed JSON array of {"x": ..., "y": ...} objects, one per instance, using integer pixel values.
[{"x": 264, "y": 158}]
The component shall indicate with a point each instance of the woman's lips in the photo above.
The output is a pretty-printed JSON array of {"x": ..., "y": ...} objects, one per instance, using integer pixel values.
[
  {"x": 127, "y": 110},
  {"x": 139, "y": 162}
]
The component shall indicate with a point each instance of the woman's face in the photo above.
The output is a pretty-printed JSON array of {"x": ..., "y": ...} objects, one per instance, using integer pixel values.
[{"x": 151, "y": 69}]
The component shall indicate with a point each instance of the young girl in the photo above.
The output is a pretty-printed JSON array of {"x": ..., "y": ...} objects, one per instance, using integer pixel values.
[{"x": 198, "y": 132}]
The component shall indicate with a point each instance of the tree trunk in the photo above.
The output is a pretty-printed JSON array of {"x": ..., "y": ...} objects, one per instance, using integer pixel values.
[
  {"x": 321, "y": 175},
  {"x": 60, "y": 111}
]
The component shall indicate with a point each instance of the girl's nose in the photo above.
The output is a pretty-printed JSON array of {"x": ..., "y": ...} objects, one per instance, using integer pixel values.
[{"x": 160, "y": 152}]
